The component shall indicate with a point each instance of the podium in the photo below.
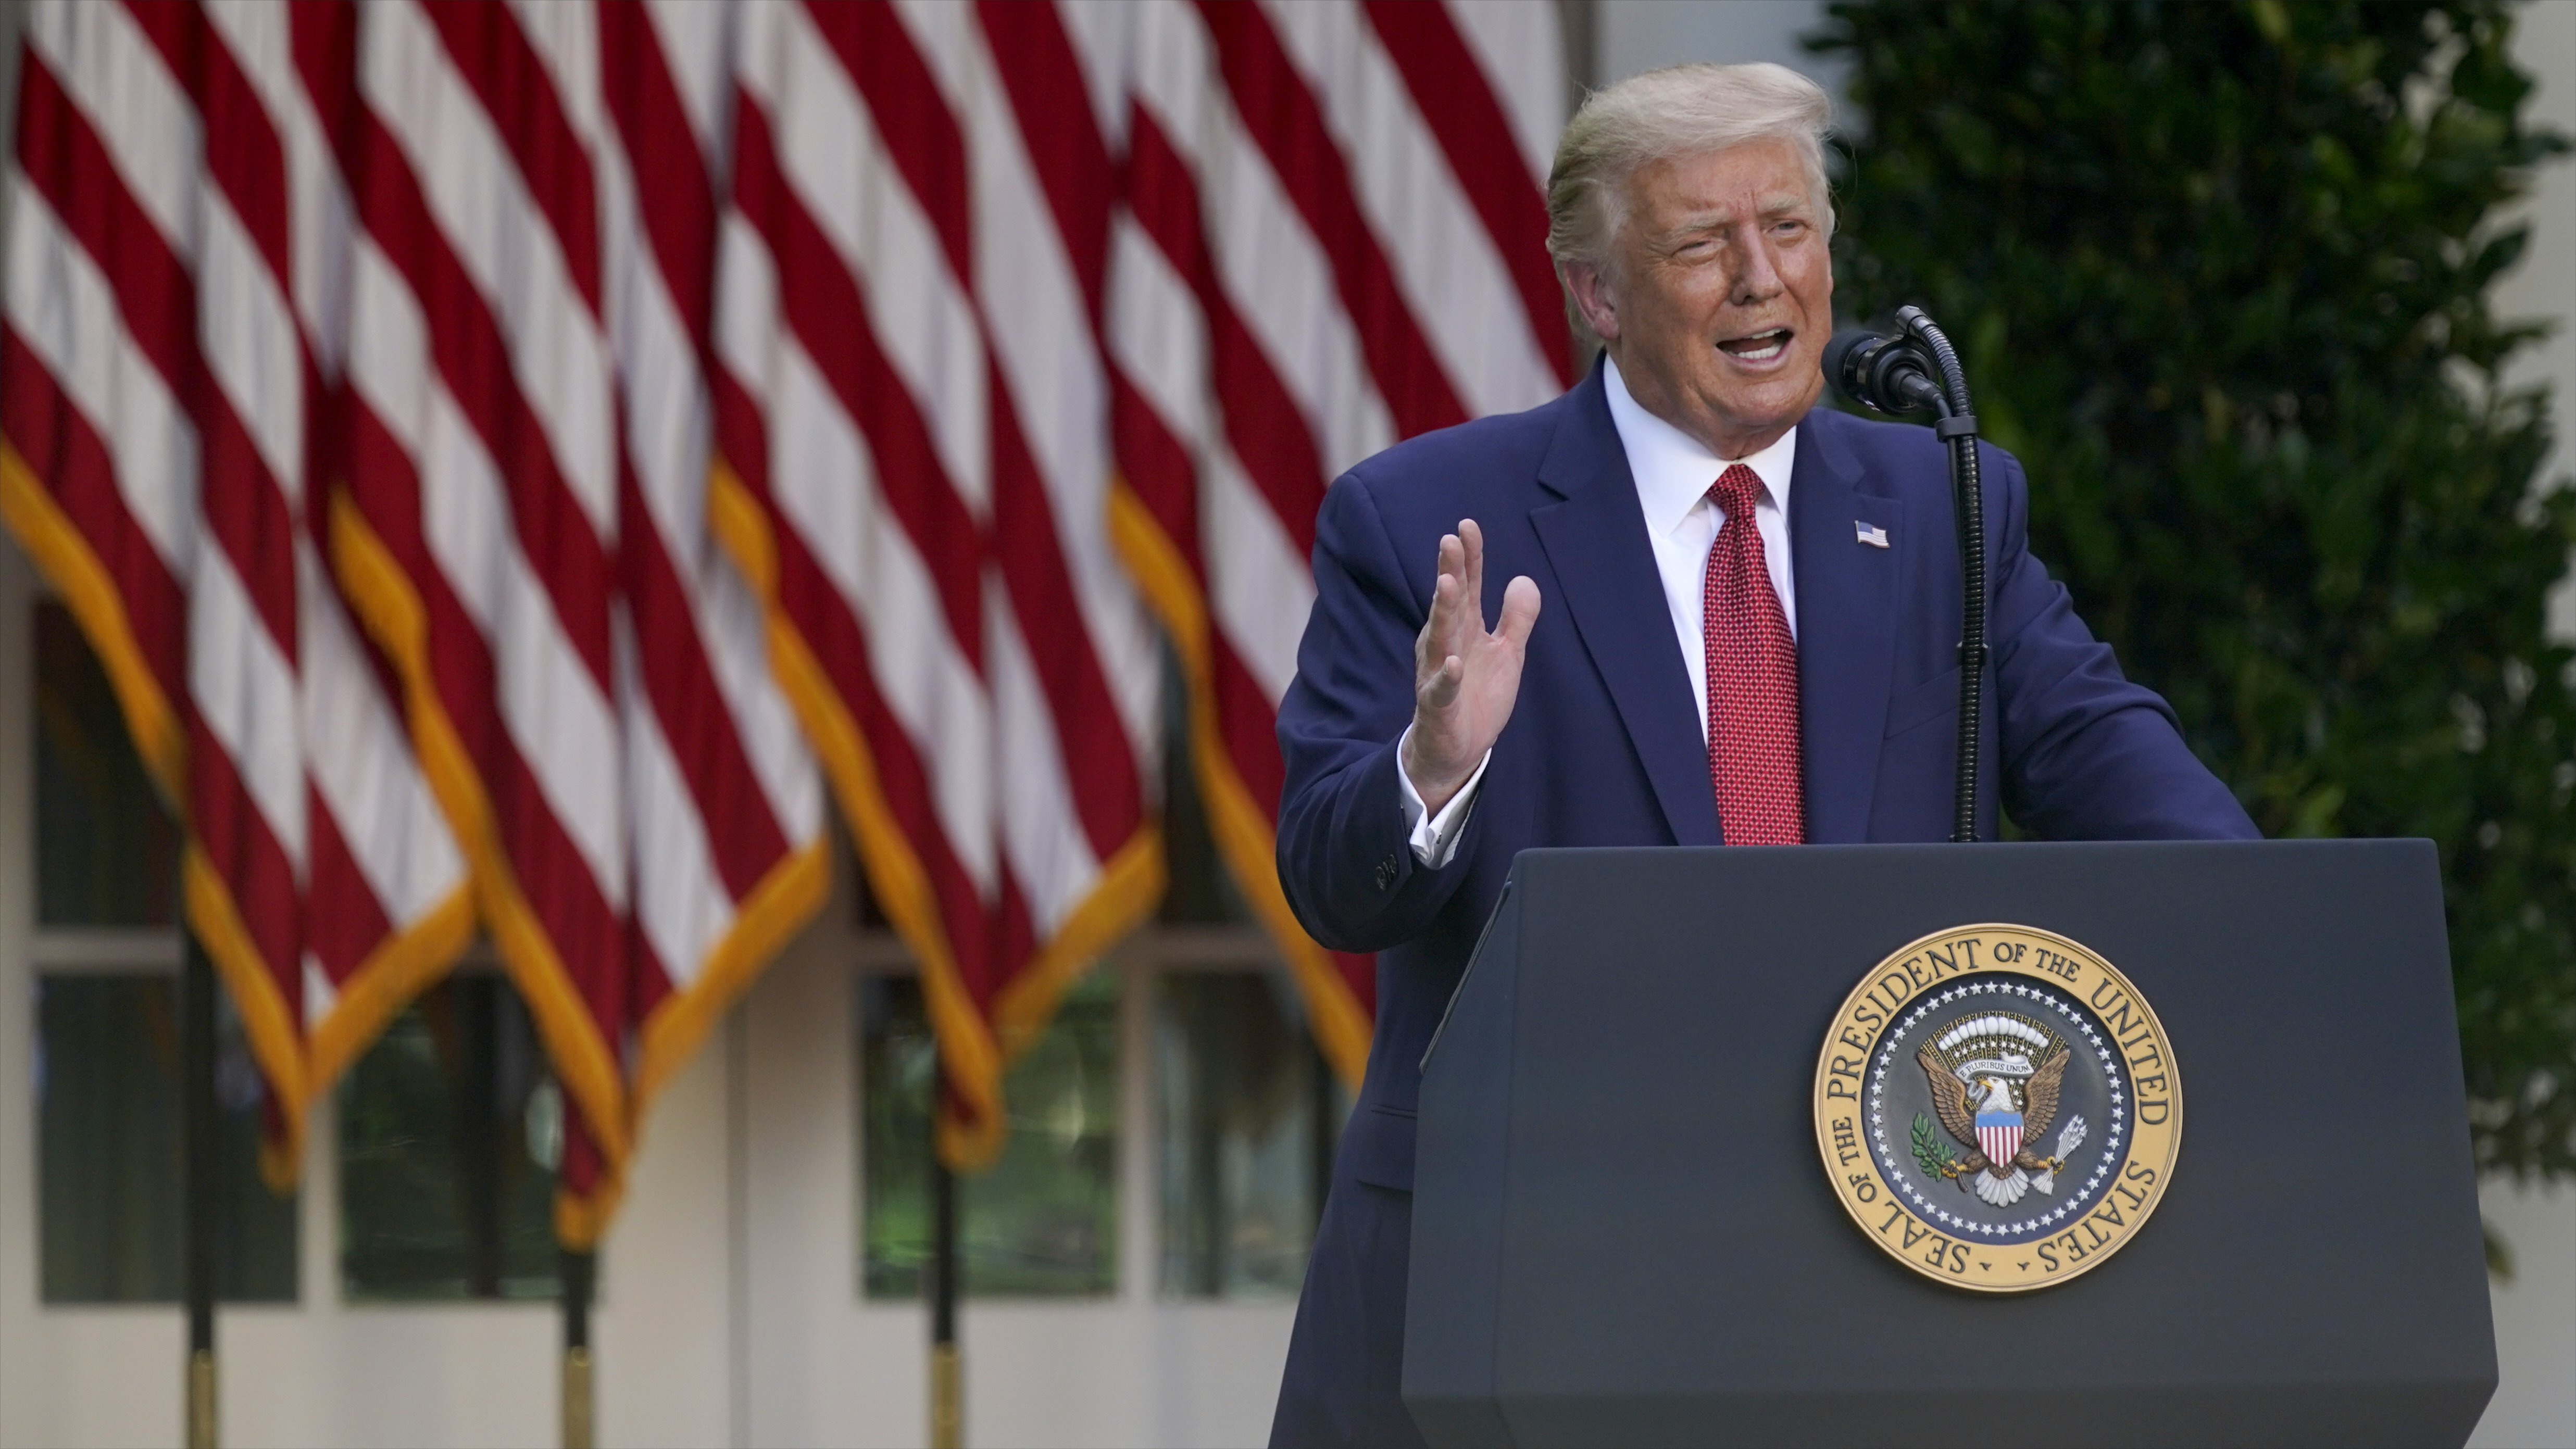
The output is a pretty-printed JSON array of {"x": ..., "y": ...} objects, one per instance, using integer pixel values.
[{"x": 1623, "y": 1231}]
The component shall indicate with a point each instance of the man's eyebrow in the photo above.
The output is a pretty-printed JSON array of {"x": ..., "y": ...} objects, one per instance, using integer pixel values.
[
  {"x": 1705, "y": 221},
  {"x": 1716, "y": 218}
]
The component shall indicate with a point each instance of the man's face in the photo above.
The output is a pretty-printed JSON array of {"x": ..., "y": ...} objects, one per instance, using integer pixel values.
[{"x": 1720, "y": 295}]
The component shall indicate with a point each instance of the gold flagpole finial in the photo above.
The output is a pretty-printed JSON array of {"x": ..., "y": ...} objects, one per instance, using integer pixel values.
[
  {"x": 577, "y": 1424},
  {"x": 947, "y": 1398},
  {"x": 201, "y": 1399}
]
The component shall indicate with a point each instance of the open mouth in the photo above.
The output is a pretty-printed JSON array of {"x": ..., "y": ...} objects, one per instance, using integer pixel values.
[{"x": 1760, "y": 347}]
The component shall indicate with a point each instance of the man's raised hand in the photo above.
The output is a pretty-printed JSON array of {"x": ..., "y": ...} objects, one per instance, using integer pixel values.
[{"x": 1464, "y": 677}]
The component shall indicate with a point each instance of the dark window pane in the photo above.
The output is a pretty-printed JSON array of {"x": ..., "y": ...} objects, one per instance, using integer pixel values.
[
  {"x": 450, "y": 1129},
  {"x": 1200, "y": 890},
  {"x": 1043, "y": 1221},
  {"x": 107, "y": 1093},
  {"x": 1249, "y": 1118},
  {"x": 107, "y": 853}
]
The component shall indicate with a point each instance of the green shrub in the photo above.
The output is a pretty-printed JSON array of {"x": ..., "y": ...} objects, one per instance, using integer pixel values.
[{"x": 2219, "y": 274}]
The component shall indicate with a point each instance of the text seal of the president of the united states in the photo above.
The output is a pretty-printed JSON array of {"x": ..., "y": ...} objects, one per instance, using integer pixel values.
[{"x": 1998, "y": 1108}]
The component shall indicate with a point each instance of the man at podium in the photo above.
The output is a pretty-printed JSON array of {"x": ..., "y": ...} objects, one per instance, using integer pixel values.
[{"x": 1732, "y": 617}]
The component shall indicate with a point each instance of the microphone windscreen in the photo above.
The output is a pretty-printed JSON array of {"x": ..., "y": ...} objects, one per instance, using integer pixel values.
[{"x": 1838, "y": 355}]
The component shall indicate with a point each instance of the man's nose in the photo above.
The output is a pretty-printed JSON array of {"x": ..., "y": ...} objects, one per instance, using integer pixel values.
[{"x": 1756, "y": 278}]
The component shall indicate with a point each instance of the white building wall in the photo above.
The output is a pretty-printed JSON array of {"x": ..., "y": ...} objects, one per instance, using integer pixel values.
[{"x": 826, "y": 1366}]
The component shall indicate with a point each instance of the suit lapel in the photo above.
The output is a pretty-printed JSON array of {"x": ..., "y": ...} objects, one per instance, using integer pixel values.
[
  {"x": 1846, "y": 627},
  {"x": 1595, "y": 538}
]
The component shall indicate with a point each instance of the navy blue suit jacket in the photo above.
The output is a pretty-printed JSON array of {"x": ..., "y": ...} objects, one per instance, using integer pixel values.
[{"x": 1605, "y": 747}]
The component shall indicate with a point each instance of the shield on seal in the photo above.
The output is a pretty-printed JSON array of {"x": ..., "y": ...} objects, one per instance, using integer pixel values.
[{"x": 1999, "y": 1136}]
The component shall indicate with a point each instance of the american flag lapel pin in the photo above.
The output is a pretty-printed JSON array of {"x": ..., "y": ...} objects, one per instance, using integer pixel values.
[{"x": 1870, "y": 533}]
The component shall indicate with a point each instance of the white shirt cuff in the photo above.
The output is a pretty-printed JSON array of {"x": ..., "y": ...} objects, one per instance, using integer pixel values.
[{"x": 1435, "y": 837}]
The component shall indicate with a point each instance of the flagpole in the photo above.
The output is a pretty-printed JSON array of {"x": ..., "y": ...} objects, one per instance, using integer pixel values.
[
  {"x": 577, "y": 1271},
  {"x": 199, "y": 1175},
  {"x": 947, "y": 1371}
]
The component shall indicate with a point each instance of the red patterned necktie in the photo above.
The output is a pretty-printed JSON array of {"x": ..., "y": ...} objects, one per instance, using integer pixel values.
[{"x": 1752, "y": 679}]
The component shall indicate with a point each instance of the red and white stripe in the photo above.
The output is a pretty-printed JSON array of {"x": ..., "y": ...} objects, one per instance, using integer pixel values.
[
  {"x": 726, "y": 808},
  {"x": 1333, "y": 237},
  {"x": 454, "y": 338},
  {"x": 387, "y": 899},
  {"x": 914, "y": 405},
  {"x": 168, "y": 286},
  {"x": 1999, "y": 1140},
  {"x": 99, "y": 342},
  {"x": 482, "y": 465},
  {"x": 471, "y": 301}
]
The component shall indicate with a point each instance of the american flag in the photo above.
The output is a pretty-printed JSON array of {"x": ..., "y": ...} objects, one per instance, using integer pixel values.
[
  {"x": 516, "y": 461},
  {"x": 914, "y": 445},
  {"x": 172, "y": 337},
  {"x": 1332, "y": 236}
]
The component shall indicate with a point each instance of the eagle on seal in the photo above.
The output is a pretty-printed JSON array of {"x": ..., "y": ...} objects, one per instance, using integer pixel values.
[{"x": 2000, "y": 1179}]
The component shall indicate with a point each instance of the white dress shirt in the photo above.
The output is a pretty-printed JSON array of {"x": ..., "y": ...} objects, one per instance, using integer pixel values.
[{"x": 1673, "y": 473}]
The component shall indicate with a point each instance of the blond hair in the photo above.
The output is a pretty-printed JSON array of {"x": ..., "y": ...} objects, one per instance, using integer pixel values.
[{"x": 1679, "y": 110}]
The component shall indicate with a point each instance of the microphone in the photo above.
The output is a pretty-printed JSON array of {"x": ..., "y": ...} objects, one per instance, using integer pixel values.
[
  {"x": 1884, "y": 374},
  {"x": 1918, "y": 371}
]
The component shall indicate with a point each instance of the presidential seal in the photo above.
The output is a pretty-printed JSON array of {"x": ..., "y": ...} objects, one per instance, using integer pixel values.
[{"x": 1997, "y": 1108}]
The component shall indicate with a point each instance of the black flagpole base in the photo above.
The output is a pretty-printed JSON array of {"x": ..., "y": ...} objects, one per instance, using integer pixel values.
[
  {"x": 579, "y": 1425},
  {"x": 200, "y": 1175},
  {"x": 947, "y": 1369}
]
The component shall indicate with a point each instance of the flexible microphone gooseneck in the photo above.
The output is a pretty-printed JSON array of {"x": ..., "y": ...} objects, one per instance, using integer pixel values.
[{"x": 1896, "y": 375}]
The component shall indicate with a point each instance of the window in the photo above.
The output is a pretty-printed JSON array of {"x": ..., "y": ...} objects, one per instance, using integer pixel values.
[
  {"x": 107, "y": 1092},
  {"x": 107, "y": 1022},
  {"x": 107, "y": 852},
  {"x": 450, "y": 1129},
  {"x": 1043, "y": 1220},
  {"x": 1248, "y": 1115},
  {"x": 1241, "y": 1136},
  {"x": 449, "y": 1126}
]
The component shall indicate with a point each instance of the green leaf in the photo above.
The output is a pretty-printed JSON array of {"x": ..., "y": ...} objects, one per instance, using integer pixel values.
[{"x": 1931, "y": 1152}]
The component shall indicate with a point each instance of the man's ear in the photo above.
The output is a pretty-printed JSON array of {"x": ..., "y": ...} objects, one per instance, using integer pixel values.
[{"x": 1593, "y": 297}]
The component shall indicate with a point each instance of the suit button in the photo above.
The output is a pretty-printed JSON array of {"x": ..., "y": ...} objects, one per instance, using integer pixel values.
[{"x": 1386, "y": 872}]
